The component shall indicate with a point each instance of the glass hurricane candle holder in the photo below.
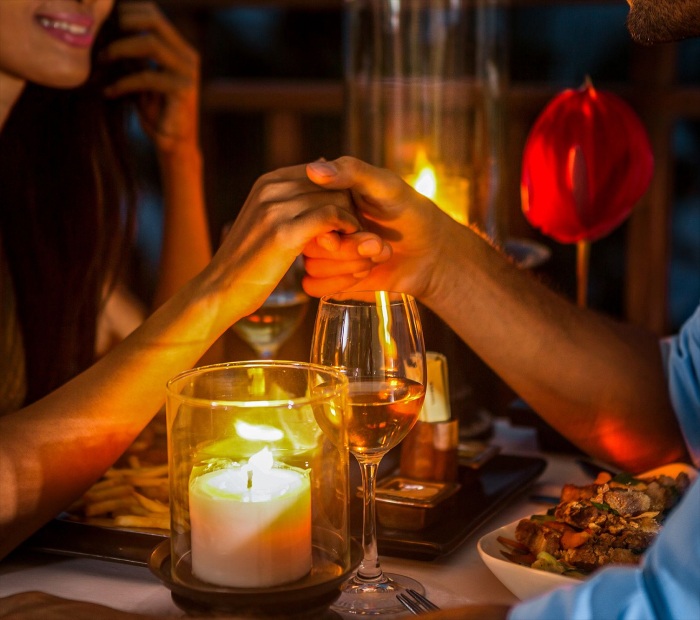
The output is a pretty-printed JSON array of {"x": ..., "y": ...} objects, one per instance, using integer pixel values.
[
  {"x": 423, "y": 98},
  {"x": 259, "y": 485}
]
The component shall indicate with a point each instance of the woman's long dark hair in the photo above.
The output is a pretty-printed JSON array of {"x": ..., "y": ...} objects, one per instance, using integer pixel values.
[{"x": 67, "y": 205}]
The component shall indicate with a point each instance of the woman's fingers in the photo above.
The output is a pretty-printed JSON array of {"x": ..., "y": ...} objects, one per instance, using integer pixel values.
[
  {"x": 148, "y": 81},
  {"x": 146, "y": 16},
  {"x": 149, "y": 45},
  {"x": 168, "y": 82}
]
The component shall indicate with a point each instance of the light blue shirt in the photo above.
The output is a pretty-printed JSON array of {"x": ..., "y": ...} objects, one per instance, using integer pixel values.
[{"x": 666, "y": 586}]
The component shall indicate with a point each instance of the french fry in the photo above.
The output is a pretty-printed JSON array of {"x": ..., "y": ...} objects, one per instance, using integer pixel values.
[
  {"x": 158, "y": 522},
  {"x": 105, "y": 483},
  {"x": 151, "y": 471},
  {"x": 151, "y": 505},
  {"x": 134, "y": 461},
  {"x": 146, "y": 481},
  {"x": 107, "y": 506},
  {"x": 101, "y": 494},
  {"x": 131, "y": 509},
  {"x": 161, "y": 493},
  {"x": 135, "y": 492}
]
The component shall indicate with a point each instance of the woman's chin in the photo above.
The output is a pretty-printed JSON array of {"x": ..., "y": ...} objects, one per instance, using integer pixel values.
[{"x": 61, "y": 77}]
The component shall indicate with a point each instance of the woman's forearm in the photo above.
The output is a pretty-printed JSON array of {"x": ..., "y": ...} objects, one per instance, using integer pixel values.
[{"x": 54, "y": 449}]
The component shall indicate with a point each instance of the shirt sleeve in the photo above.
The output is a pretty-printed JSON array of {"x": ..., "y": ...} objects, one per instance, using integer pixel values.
[
  {"x": 681, "y": 357},
  {"x": 664, "y": 587}
]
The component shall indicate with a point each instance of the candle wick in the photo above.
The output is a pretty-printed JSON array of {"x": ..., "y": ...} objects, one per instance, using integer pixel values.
[{"x": 250, "y": 478}]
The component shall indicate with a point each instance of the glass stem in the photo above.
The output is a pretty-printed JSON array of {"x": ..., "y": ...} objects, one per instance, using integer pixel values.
[{"x": 369, "y": 569}]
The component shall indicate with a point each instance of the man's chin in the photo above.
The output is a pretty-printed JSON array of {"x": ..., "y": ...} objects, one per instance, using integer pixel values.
[
  {"x": 650, "y": 28},
  {"x": 646, "y": 33}
]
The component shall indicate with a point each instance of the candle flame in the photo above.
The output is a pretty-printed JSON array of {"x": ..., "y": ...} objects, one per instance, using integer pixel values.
[
  {"x": 261, "y": 460},
  {"x": 449, "y": 192},
  {"x": 425, "y": 181}
]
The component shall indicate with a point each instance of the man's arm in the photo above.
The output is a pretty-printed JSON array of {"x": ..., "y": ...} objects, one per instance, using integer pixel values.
[{"x": 597, "y": 381}]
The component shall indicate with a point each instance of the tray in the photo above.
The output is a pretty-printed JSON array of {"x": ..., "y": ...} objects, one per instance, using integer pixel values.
[
  {"x": 75, "y": 539},
  {"x": 483, "y": 492}
]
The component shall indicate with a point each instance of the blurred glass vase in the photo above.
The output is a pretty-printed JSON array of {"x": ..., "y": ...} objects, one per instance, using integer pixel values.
[{"x": 423, "y": 84}]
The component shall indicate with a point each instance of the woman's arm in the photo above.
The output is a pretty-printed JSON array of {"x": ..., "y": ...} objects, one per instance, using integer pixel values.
[{"x": 54, "y": 449}]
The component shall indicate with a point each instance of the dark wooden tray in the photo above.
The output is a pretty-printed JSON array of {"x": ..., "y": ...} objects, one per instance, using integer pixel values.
[{"x": 483, "y": 493}]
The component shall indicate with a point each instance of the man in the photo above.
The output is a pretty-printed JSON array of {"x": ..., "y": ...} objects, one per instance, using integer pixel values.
[{"x": 610, "y": 388}]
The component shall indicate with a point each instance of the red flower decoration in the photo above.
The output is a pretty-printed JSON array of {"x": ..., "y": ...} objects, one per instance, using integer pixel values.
[{"x": 587, "y": 161}]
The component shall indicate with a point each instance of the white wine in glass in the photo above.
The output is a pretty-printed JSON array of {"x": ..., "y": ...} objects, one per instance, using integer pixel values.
[
  {"x": 376, "y": 339},
  {"x": 269, "y": 327}
]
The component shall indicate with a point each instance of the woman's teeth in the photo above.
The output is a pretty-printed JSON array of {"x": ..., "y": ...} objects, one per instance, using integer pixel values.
[{"x": 75, "y": 29}]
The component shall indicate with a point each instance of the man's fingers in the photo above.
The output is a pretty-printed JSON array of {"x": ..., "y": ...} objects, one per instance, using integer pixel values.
[
  {"x": 373, "y": 184},
  {"x": 363, "y": 244},
  {"x": 316, "y": 287},
  {"x": 328, "y": 268}
]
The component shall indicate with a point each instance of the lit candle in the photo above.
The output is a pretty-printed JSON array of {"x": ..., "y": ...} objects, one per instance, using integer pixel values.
[
  {"x": 450, "y": 193},
  {"x": 251, "y": 524}
]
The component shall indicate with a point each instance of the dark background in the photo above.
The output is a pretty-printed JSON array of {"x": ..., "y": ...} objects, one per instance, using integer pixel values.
[{"x": 551, "y": 44}]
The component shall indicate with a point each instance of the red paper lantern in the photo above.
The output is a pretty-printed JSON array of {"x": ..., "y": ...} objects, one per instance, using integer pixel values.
[{"x": 586, "y": 163}]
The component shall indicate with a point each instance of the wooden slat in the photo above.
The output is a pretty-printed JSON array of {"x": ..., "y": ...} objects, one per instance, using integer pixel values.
[
  {"x": 326, "y": 96},
  {"x": 300, "y": 96},
  {"x": 648, "y": 233}
]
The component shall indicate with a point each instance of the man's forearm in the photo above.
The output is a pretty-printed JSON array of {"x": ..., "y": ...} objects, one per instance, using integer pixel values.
[{"x": 597, "y": 381}]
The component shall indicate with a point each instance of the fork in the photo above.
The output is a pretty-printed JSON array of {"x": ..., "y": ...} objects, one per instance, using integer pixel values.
[{"x": 415, "y": 602}]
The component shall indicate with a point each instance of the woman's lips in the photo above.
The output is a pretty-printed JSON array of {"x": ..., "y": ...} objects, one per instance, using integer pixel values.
[{"x": 73, "y": 29}]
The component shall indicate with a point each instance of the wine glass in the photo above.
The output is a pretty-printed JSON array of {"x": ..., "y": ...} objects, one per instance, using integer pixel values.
[
  {"x": 376, "y": 339},
  {"x": 269, "y": 327}
]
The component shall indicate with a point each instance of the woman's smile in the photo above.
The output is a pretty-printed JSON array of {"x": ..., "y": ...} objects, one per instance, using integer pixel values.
[
  {"x": 72, "y": 28},
  {"x": 48, "y": 42}
]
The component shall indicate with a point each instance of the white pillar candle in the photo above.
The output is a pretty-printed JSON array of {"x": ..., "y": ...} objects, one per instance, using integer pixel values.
[{"x": 251, "y": 525}]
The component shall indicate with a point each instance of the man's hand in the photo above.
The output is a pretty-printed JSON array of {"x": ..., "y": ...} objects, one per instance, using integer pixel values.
[{"x": 409, "y": 222}]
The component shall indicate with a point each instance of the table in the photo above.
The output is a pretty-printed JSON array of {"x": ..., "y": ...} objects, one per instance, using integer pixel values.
[{"x": 457, "y": 579}]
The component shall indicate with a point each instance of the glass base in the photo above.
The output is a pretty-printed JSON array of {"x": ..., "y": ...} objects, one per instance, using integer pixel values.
[{"x": 361, "y": 597}]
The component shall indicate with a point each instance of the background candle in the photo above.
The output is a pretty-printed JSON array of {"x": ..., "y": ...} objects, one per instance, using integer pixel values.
[
  {"x": 449, "y": 192},
  {"x": 251, "y": 537}
]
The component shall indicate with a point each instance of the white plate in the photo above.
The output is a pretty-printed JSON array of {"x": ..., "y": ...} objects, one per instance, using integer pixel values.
[
  {"x": 526, "y": 582},
  {"x": 523, "y": 581}
]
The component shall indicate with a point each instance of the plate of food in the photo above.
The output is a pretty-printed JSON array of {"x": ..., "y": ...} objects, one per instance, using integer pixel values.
[{"x": 611, "y": 521}]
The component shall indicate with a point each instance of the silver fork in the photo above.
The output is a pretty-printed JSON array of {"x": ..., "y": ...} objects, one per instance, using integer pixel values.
[{"x": 415, "y": 602}]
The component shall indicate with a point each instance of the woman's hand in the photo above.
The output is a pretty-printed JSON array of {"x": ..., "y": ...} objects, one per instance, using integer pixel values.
[
  {"x": 168, "y": 85},
  {"x": 283, "y": 213}
]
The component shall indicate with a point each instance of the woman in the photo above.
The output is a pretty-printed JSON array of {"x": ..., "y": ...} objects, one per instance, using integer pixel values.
[
  {"x": 67, "y": 218},
  {"x": 61, "y": 218}
]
